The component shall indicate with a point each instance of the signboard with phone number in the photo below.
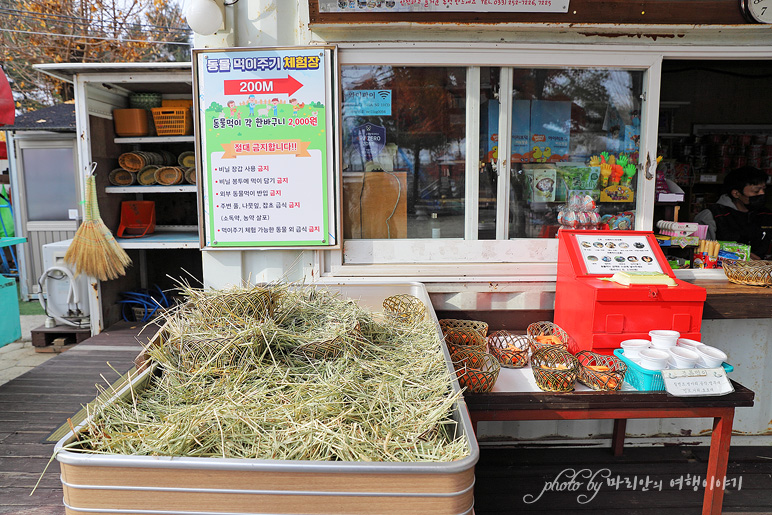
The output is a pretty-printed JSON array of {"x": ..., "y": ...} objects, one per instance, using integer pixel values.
[
  {"x": 264, "y": 132},
  {"x": 533, "y": 6}
]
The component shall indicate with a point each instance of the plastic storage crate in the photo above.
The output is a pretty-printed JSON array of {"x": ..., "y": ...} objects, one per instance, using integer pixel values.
[
  {"x": 643, "y": 379},
  {"x": 172, "y": 121}
]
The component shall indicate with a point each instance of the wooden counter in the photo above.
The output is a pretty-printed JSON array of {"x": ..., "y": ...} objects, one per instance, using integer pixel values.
[{"x": 730, "y": 300}]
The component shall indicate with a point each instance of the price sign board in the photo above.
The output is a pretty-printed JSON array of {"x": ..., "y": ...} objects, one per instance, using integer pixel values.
[
  {"x": 264, "y": 127},
  {"x": 697, "y": 382},
  {"x": 604, "y": 253}
]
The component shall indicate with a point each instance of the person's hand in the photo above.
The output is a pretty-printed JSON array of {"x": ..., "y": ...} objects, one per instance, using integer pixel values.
[{"x": 754, "y": 257}]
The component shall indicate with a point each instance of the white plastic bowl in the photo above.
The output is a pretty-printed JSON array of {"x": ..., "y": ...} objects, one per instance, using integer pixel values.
[
  {"x": 686, "y": 343},
  {"x": 654, "y": 359},
  {"x": 663, "y": 338},
  {"x": 710, "y": 357},
  {"x": 632, "y": 348},
  {"x": 683, "y": 357}
]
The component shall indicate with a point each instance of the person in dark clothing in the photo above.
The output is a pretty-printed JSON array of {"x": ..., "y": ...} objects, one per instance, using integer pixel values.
[{"x": 741, "y": 213}]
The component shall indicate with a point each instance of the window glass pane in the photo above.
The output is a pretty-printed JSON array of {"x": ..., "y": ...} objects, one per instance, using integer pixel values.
[
  {"x": 563, "y": 121},
  {"x": 49, "y": 183},
  {"x": 403, "y": 151}
]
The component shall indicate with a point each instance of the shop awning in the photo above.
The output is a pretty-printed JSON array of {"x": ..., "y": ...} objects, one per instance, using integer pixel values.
[{"x": 7, "y": 107}]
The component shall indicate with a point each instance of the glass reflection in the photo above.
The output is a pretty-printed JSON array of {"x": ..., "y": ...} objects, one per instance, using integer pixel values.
[{"x": 403, "y": 152}]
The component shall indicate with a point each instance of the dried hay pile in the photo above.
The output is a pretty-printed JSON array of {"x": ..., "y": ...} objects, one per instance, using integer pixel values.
[{"x": 286, "y": 373}]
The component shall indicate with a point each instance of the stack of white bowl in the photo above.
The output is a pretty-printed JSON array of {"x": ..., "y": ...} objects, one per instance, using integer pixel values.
[{"x": 667, "y": 350}]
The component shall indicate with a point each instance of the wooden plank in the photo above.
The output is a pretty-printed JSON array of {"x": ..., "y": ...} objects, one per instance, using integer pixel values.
[
  {"x": 621, "y": 400},
  {"x": 727, "y": 300}
]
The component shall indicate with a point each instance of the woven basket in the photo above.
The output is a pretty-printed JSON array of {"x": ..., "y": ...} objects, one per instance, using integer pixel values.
[
  {"x": 404, "y": 308},
  {"x": 610, "y": 379},
  {"x": 454, "y": 323},
  {"x": 334, "y": 347},
  {"x": 752, "y": 273},
  {"x": 464, "y": 339},
  {"x": 509, "y": 349},
  {"x": 169, "y": 175},
  {"x": 168, "y": 158},
  {"x": 187, "y": 159},
  {"x": 146, "y": 176},
  {"x": 143, "y": 100},
  {"x": 547, "y": 365},
  {"x": 121, "y": 177},
  {"x": 135, "y": 161},
  {"x": 476, "y": 371},
  {"x": 190, "y": 175},
  {"x": 546, "y": 329}
]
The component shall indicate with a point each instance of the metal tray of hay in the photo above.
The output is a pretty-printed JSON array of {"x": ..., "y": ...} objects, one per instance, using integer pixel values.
[{"x": 120, "y": 483}]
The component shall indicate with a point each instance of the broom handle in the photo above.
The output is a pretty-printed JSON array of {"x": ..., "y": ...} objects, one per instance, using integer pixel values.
[
  {"x": 88, "y": 212},
  {"x": 94, "y": 202},
  {"x": 92, "y": 206}
]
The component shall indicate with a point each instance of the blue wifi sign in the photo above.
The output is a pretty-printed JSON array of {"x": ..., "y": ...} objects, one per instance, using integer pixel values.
[{"x": 367, "y": 102}]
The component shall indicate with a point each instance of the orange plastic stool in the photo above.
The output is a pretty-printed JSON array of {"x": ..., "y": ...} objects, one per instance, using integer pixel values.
[{"x": 137, "y": 218}]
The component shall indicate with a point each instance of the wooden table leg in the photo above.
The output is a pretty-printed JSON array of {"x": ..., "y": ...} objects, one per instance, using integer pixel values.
[
  {"x": 717, "y": 463},
  {"x": 618, "y": 436}
]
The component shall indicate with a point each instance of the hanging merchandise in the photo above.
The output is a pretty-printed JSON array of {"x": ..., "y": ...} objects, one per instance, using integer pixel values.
[
  {"x": 616, "y": 175},
  {"x": 93, "y": 250}
]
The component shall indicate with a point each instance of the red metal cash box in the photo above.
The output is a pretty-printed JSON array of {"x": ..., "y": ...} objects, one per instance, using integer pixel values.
[{"x": 599, "y": 314}]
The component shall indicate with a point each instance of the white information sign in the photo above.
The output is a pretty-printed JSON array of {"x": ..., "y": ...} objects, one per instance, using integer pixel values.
[
  {"x": 697, "y": 382},
  {"x": 264, "y": 128},
  {"x": 606, "y": 254}
]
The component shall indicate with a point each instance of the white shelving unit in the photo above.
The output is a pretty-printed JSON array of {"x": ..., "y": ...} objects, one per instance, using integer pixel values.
[
  {"x": 164, "y": 237},
  {"x": 99, "y": 89},
  {"x": 156, "y": 139},
  {"x": 177, "y": 188}
]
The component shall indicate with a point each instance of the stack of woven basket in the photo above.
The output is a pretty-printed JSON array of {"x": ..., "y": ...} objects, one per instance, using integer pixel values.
[
  {"x": 148, "y": 168},
  {"x": 476, "y": 369}
]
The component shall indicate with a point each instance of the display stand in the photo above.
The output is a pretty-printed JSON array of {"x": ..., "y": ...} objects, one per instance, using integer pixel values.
[{"x": 599, "y": 314}]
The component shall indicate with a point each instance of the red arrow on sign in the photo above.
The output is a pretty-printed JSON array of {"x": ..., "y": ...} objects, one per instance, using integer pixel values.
[{"x": 286, "y": 86}]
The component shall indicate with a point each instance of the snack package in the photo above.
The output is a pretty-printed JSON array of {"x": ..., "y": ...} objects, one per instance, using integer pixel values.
[
  {"x": 707, "y": 254},
  {"x": 732, "y": 248},
  {"x": 544, "y": 185},
  {"x": 624, "y": 221}
]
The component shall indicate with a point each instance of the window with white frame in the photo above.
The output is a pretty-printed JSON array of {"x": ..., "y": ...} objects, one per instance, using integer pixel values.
[{"x": 427, "y": 178}]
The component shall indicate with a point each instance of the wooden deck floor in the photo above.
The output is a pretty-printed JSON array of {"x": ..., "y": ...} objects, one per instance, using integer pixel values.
[{"x": 34, "y": 405}]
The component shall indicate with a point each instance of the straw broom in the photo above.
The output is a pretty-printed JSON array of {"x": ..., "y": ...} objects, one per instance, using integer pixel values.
[{"x": 93, "y": 250}]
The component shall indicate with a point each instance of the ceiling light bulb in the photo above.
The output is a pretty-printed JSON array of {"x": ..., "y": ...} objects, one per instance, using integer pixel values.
[{"x": 204, "y": 17}]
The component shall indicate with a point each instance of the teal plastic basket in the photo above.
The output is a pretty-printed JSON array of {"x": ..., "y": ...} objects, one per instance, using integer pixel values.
[{"x": 645, "y": 380}]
